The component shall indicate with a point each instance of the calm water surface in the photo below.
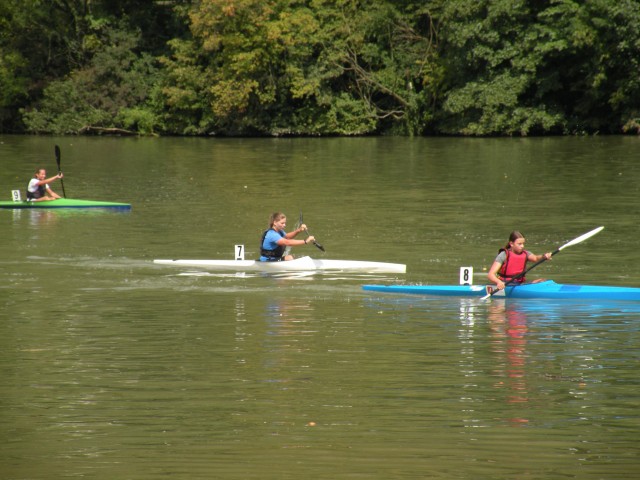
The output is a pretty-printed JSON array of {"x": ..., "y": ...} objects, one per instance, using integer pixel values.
[{"x": 113, "y": 367}]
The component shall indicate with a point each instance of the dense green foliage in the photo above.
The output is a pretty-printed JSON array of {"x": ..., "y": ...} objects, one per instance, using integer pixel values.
[
  {"x": 320, "y": 67},
  {"x": 541, "y": 67}
]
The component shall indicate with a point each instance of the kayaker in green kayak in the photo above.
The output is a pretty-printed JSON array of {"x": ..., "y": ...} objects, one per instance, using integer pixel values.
[
  {"x": 512, "y": 261},
  {"x": 39, "y": 190}
]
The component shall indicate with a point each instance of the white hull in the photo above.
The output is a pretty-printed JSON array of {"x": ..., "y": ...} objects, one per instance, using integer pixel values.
[{"x": 303, "y": 264}]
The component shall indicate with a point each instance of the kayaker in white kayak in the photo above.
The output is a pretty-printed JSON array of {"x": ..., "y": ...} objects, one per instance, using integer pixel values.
[
  {"x": 512, "y": 261},
  {"x": 275, "y": 239},
  {"x": 39, "y": 190}
]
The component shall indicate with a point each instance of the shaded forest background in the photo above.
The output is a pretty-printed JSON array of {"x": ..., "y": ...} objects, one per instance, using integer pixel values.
[{"x": 319, "y": 67}]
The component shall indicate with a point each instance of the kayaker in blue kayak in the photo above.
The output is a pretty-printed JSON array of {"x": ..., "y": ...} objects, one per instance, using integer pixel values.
[
  {"x": 275, "y": 240},
  {"x": 512, "y": 261},
  {"x": 39, "y": 190}
]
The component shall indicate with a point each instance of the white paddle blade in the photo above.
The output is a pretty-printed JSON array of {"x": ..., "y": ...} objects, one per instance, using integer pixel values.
[{"x": 582, "y": 238}]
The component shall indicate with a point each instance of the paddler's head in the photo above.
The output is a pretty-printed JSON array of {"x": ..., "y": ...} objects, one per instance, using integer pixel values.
[
  {"x": 516, "y": 242},
  {"x": 278, "y": 221}
]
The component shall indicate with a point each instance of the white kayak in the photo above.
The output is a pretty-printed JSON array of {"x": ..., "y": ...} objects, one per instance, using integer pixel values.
[{"x": 302, "y": 264}]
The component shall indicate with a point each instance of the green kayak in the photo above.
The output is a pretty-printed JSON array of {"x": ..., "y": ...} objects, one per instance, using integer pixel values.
[{"x": 64, "y": 203}]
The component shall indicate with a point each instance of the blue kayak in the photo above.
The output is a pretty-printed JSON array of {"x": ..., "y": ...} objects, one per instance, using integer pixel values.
[{"x": 547, "y": 290}]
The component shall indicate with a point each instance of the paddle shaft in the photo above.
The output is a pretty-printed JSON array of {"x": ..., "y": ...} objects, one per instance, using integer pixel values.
[
  {"x": 315, "y": 243},
  {"x": 57, "y": 149},
  {"x": 309, "y": 233},
  {"x": 579, "y": 239}
]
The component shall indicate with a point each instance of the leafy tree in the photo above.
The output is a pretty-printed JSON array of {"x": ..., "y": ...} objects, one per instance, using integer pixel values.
[
  {"x": 320, "y": 67},
  {"x": 383, "y": 54},
  {"x": 530, "y": 67},
  {"x": 184, "y": 99},
  {"x": 491, "y": 54},
  {"x": 602, "y": 80},
  {"x": 110, "y": 92},
  {"x": 44, "y": 41},
  {"x": 294, "y": 67},
  {"x": 37, "y": 43}
]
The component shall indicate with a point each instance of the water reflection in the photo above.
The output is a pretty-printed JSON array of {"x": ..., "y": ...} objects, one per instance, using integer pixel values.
[
  {"x": 468, "y": 362},
  {"x": 285, "y": 326},
  {"x": 286, "y": 330},
  {"x": 520, "y": 358},
  {"x": 508, "y": 325},
  {"x": 507, "y": 347},
  {"x": 274, "y": 351},
  {"x": 36, "y": 217}
]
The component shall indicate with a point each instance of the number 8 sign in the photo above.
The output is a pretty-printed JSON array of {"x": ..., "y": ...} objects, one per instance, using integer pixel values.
[{"x": 466, "y": 275}]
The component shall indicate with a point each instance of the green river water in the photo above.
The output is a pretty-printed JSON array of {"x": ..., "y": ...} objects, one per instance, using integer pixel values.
[{"x": 112, "y": 367}]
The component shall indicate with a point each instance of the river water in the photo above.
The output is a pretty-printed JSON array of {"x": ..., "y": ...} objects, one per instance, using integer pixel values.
[{"x": 113, "y": 367}]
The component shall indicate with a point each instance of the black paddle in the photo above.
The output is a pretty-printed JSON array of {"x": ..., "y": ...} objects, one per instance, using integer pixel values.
[
  {"x": 575, "y": 241},
  {"x": 308, "y": 233},
  {"x": 64, "y": 194}
]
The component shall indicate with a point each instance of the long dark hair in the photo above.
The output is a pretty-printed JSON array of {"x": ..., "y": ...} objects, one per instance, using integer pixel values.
[{"x": 512, "y": 238}]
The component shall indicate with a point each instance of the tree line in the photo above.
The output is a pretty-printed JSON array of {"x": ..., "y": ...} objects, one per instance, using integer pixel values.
[{"x": 320, "y": 67}]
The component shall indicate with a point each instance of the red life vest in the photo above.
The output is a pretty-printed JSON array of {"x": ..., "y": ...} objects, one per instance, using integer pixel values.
[{"x": 513, "y": 265}]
